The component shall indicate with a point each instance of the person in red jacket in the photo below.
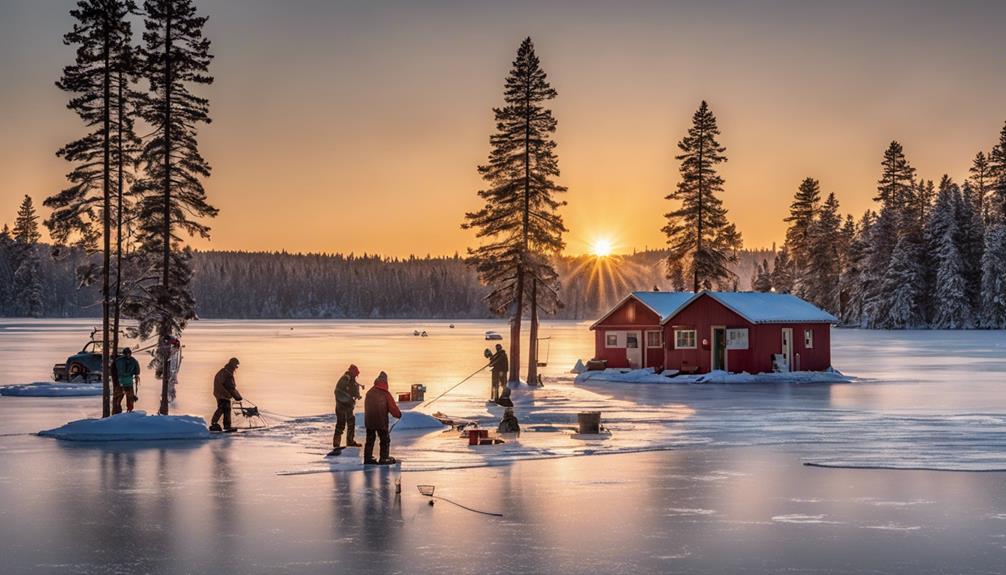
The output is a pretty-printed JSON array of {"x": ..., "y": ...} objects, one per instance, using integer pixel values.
[{"x": 376, "y": 407}]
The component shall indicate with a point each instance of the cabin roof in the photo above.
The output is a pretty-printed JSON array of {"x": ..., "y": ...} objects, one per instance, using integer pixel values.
[
  {"x": 767, "y": 307},
  {"x": 755, "y": 307}
]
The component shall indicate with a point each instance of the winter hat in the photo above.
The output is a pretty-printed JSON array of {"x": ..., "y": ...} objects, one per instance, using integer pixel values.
[
  {"x": 381, "y": 378},
  {"x": 127, "y": 351},
  {"x": 233, "y": 362},
  {"x": 353, "y": 370}
]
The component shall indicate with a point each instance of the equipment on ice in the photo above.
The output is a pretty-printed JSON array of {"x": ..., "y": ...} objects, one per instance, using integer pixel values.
[
  {"x": 429, "y": 490},
  {"x": 253, "y": 418}
]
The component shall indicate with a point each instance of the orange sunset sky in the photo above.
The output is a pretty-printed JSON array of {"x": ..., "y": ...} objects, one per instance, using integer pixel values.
[{"x": 357, "y": 126}]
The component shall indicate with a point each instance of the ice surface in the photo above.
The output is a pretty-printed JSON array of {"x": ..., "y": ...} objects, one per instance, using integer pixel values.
[
  {"x": 410, "y": 420},
  {"x": 51, "y": 389},
  {"x": 135, "y": 426}
]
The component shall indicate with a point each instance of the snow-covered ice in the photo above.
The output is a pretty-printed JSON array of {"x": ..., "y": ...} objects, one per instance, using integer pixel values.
[
  {"x": 51, "y": 389},
  {"x": 134, "y": 426},
  {"x": 649, "y": 375}
]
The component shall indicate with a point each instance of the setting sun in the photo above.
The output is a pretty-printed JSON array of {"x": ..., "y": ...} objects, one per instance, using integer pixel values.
[{"x": 601, "y": 247}]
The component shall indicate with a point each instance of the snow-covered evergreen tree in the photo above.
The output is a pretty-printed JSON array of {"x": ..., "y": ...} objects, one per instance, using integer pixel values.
[
  {"x": 823, "y": 265},
  {"x": 997, "y": 171},
  {"x": 762, "y": 280},
  {"x": 881, "y": 290},
  {"x": 971, "y": 244},
  {"x": 782, "y": 272},
  {"x": 27, "y": 280},
  {"x": 676, "y": 275},
  {"x": 520, "y": 218},
  {"x": 850, "y": 297},
  {"x": 26, "y": 224},
  {"x": 993, "y": 312},
  {"x": 176, "y": 58},
  {"x": 948, "y": 301},
  {"x": 981, "y": 181},
  {"x": 802, "y": 216},
  {"x": 698, "y": 231}
]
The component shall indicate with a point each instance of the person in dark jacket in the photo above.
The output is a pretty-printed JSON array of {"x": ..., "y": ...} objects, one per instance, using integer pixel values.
[
  {"x": 347, "y": 391},
  {"x": 224, "y": 390},
  {"x": 500, "y": 364},
  {"x": 125, "y": 377},
  {"x": 376, "y": 407},
  {"x": 509, "y": 423}
]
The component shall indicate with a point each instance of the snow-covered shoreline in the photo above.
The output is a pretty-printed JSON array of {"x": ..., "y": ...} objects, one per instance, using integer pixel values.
[{"x": 650, "y": 376}]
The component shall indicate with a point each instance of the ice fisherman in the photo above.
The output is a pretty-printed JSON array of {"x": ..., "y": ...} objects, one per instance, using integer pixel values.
[
  {"x": 224, "y": 390},
  {"x": 125, "y": 378},
  {"x": 347, "y": 391},
  {"x": 500, "y": 365},
  {"x": 376, "y": 407},
  {"x": 509, "y": 423}
]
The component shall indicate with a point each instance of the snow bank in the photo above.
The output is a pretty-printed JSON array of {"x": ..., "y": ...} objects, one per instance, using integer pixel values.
[
  {"x": 135, "y": 426},
  {"x": 51, "y": 389},
  {"x": 410, "y": 420},
  {"x": 648, "y": 375},
  {"x": 579, "y": 367}
]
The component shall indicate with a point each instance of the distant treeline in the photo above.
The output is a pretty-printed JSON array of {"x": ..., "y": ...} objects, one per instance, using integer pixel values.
[{"x": 260, "y": 285}]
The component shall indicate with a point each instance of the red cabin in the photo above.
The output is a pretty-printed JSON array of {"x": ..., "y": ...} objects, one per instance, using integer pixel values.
[{"x": 701, "y": 332}]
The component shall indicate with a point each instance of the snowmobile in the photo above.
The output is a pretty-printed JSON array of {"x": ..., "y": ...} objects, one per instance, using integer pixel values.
[{"x": 81, "y": 367}]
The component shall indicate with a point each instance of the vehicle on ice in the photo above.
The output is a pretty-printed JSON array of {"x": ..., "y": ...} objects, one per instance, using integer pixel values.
[{"x": 81, "y": 367}]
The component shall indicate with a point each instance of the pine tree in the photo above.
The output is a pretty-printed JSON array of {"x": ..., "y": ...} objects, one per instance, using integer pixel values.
[
  {"x": 782, "y": 272},
  {"x": 823, "y": 265},
  {"x": 997, "y": 171},
  {"x": 802, "y": 214},
  {"x": 82, "y": 212},
  {"x": 520, "y": 218},
  {"x": 762, "y": 280},
  {"x": 175, "y": 57},
  {"x": 698, "y": 230},
  {"x": 949, "y": 304},
  {"x": 895, "y": 192},
  {"x": 853, "y": 250},
  {"x": 993, "y": 312},
  {"x": 676, "y": 275},
  {"x": 981, "y": 181},
  {"x": 26, "y": 224},
  {"x": 971, "y": 245}
]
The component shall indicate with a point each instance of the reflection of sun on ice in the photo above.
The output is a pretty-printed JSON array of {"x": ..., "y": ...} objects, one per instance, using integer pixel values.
[{"x": 601, "y": 247}]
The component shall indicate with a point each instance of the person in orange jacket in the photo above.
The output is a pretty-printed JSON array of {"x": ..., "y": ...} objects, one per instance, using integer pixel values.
[{"x": 378, "y": 404}]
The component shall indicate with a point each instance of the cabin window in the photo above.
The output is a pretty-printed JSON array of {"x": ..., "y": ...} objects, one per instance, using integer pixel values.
[
  {"x": 653, "y": 339},
  {"x": 737, "y": 338},
  {"x": 613, "y": 340},
  {"x": 808, "y": 339},
  {"x": 684, "y": 339}
]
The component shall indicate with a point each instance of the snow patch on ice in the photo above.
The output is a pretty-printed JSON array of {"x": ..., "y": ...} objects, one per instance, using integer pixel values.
[
  {"x": 51, "y": 389},
  {"x": 893, "y": 527},
  {"x": 804, "y": 519},
  {"x": 649, "y": 375},
  {"x": 579, "y": 367},
  {"x": 135, "y": 426}
]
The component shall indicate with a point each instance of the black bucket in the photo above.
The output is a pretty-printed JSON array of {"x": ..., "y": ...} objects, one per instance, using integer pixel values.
[{"x": 590, "y": 422}]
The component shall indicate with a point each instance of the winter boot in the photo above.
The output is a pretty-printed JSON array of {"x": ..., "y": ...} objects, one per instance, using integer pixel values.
[
  {"x": 370, "y": 461},
  {"x": 387, "y": 461},
  {"x": 215, "y": 427}
]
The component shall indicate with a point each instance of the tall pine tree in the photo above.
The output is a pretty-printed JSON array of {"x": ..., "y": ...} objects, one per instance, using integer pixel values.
[
  {"x": 981, "y": 181},
  {"x": 802, "y": 215},
  {"x": 519, "y": 221},
  {"x": 27, "y": 277},
  {"x": 997, "y": 172},
  {"x": 698, "y": 230},
  {"x": 823, "y": 265},
  {"x": 82, "y": 213},
  {"x": 172, "y": 200}
]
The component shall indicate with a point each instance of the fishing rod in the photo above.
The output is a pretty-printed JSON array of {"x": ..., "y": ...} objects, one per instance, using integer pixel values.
[{"x": 476, "y": 372}]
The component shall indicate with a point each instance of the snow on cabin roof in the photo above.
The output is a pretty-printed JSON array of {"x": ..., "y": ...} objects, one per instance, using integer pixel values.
[
  {"x": 664, "y": 303},
  {"x": 762, "y": 307},
  {"x": 756, "y": 307}
]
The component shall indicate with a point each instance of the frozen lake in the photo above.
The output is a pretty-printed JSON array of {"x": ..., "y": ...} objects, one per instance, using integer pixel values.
[{"x": 697, "y": 478}]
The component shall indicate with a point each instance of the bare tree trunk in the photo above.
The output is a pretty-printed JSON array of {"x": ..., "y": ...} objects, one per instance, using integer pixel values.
[
  {"x": 165, "y": 330},
  {"x": 106, "y": 225},
  {"x": 515, "y": 328},
  {"x": 532, "y": 353},
  {"x": 118, "y": 222}
]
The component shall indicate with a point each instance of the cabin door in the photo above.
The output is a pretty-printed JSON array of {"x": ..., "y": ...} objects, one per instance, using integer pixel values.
[
  {"x": 719, "y": 349},
  {"x": 787, "y": 347},
  {"x": 634, "y": 349}
]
